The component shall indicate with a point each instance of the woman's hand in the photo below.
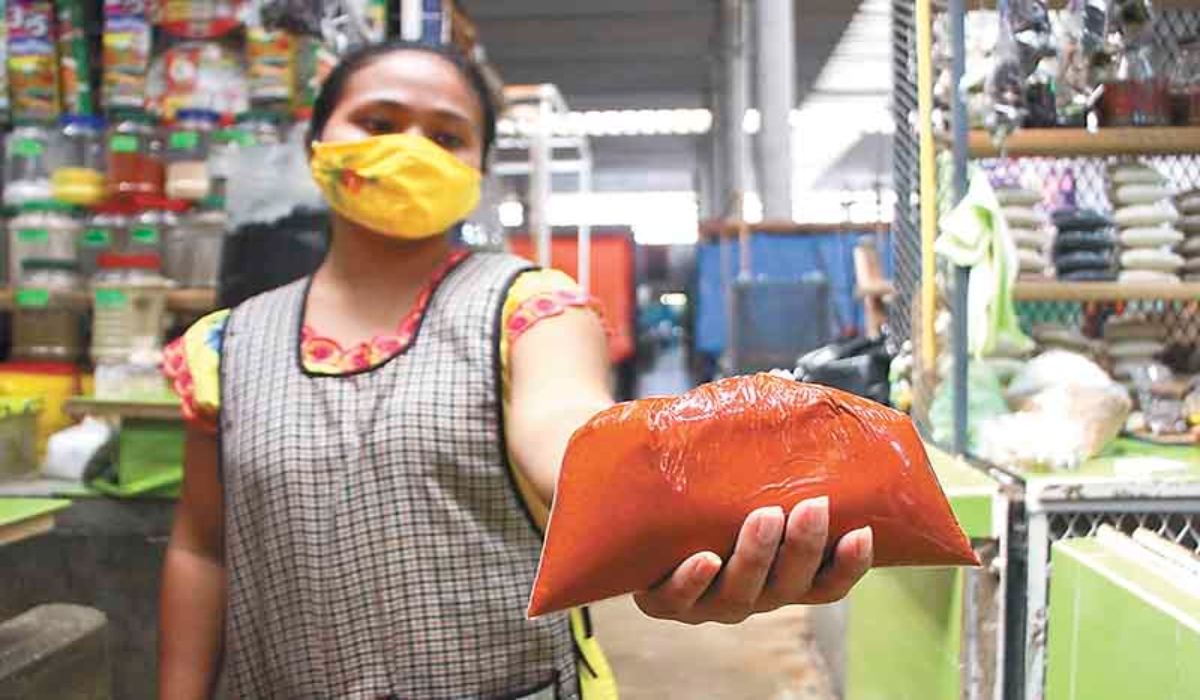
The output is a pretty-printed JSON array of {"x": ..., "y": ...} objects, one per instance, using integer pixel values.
[{"x": 775, "y": 563}]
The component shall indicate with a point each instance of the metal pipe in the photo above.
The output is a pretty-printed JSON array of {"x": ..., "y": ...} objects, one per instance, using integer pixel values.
[
  {"x": 776, "y": 79},
  {"x": 959, "y": 316},
  {"x": 410, "y": 20},
  {"x": 584, "y": 272},
  {"x": 539, "y": 181},
  {"x": 736, "y": 97}
]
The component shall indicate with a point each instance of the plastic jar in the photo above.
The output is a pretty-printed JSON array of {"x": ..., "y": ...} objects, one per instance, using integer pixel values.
[
  {"x": 103, "y": 232},
  {"x": 187, "y": 155},
  {"x": 29, "y": 155},
  {"x": 46, "y": 229},
  {"x": 147, "y": 231},
  {"x": 79, "y": 178},
  {"x": 261, "y": 128},
  {"x": 194, "y": 246},
  {"x": 129, "y": 308},
  {"x": 222, "y": 155},
  {"x": 134, "y": 157},
  {"x": 46, "y": 325}
]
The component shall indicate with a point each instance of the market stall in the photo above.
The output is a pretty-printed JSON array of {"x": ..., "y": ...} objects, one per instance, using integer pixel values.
[{"x": 1045, "y": 286}]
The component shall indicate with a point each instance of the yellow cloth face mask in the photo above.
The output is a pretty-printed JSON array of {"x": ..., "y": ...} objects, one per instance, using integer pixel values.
[{"x": 400, "y": 185}]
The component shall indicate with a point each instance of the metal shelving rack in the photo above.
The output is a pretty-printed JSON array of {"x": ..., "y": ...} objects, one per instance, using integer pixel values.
[{"x": 1042, "y": 507}]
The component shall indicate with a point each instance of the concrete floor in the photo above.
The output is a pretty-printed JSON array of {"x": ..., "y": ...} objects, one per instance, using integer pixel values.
[{"x": 769, "y": 657}]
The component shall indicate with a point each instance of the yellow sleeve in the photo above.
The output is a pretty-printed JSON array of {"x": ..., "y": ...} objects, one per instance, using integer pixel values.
[{"x": 192, "y": 364}]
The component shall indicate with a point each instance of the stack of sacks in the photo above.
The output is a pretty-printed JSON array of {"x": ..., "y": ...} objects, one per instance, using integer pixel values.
[
  {"x": 1146, "y": 218},
  {"x": 1188, "y": 204},
  {"x": 1133, "y": 342},
  {"x": 1084, "y": 246},
  {"x": 1027, "y": 226},
  {"x": 1055, "y": 336}
]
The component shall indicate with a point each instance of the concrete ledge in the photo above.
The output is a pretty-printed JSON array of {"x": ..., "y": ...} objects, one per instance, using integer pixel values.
[{"x": 55, "y": 651}]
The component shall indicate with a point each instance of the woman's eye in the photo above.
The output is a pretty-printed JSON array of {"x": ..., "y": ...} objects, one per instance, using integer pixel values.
[
  {"x": 378, "y": 126},
  {"x": 448, "y": 141}
]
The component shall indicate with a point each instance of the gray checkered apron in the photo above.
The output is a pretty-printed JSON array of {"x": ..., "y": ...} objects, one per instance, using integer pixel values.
[{"x": 376, "y": 546}]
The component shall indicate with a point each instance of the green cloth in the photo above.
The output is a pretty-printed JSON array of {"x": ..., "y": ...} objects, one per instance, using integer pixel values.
[{"x": 975, "y": 235}]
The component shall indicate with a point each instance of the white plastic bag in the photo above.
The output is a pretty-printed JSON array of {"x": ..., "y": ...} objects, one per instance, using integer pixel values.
[{"x": 70, "y": 451}]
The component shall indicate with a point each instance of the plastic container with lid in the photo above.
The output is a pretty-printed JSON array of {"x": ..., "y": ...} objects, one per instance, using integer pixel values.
[
  {"x": 18, "y": 434},
  {"x": 105, "y": 231},
  {"x": 194, "y": 246},
  {"x": 30, "y": 154},
  {"x": 135, "y": 164},
  {"x": 1185, "y": 85},
  {"x": 147, "y": 231},
  {"x": 46, "y": 324},
  {"x": 79, "y": 177},
  {"x": 129, "y": 308},
  {"x": 261, "y": 127},
  {"x": 222, "y": 155},
  {"x": 187, "y": 154},
  {"x": 45, "y": 229}
]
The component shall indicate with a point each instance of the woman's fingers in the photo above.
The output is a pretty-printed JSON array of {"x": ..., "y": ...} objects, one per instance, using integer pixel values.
[
  {"x": 675, "y": 597},
  {"x": 800, "y": 555},
  {"x": 742, "y": 581},
  {"x": 851, "y": 560}
]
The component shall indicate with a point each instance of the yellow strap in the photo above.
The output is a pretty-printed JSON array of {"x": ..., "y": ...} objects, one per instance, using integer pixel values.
[{"x": 596, "y": 681}]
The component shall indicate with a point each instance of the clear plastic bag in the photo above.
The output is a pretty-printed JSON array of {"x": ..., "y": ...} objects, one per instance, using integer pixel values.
[{"x": 646, "y": 484}]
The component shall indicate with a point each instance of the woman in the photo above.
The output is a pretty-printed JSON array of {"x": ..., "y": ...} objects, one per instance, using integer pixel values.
[{"x": 360, "y": 519}]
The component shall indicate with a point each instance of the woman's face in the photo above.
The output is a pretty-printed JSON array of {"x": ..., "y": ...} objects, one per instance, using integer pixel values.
[{"x": 411, "y": 92}]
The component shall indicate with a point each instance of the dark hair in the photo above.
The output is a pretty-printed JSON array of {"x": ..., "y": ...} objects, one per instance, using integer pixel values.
[{"x": 351, "y": 63}]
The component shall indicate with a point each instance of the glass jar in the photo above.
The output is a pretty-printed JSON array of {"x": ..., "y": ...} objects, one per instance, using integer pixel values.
[
  {"x": 194, "y": 246},
  {"x": 46, "y": 325},
  {"x": 147, "y": 231},
  {"x": 79, "y": 178},
  {"x": 261, "y": 128},
  {"x": 1136, "y": 95},
  {"x": 46, "y": 229},
  {"x": 103, "y": 232},
  {"x": 129, "y": 308},
  {"x": 187, "y": 154},
  {"x": 222, "y": 155},
  {"x": 29, "y": 155},
  {"x": 1184, "y": 81},
  {"x": 135, "y": 164}
]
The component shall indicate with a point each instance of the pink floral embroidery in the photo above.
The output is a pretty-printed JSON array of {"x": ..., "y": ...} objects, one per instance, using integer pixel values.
[{"x": 546, "y": 305}]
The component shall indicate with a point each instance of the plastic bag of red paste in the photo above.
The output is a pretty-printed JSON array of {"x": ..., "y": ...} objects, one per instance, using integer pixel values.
[{"x": 646, "y": 484}]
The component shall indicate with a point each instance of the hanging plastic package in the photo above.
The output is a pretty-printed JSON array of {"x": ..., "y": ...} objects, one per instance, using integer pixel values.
[
  {"x": 1006, "y": 83},
  {"x": 74, "y": 62},
  {"x": 32, "y": 63},
  {"x": 646, "y": 484},
  {"x": 126, "y": 55}
]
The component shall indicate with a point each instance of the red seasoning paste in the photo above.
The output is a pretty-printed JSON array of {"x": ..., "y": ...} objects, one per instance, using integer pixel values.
[{"x": 646, "y": 484}]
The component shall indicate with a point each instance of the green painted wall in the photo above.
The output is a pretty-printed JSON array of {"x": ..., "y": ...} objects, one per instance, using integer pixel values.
[
  {"x": 1118, "y": 630},
  {"x": 904, "y": 636}
]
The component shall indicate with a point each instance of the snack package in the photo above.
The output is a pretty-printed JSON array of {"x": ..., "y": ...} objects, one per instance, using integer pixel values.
[
  {"x": 74, "y": 65},
  {"x": 311, "y": 61},
  {"x": 196, "y": 75},
  {"x": 189, "y": 19},
  {"x": 4, "y": 114},
  {"x": 32, "y": 63},
  {"x": 269, "y": 66},
  {"x": 646, "y": 484},
  {"x": 127, "y": 38}
]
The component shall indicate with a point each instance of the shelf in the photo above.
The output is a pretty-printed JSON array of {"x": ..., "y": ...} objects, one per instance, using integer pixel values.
[
  {"x": 1051, "y": 290},
  {"x": 196, "y": 301},
  {"x": 81, "y": 406},
  {"x": 1111, "y": 141}
]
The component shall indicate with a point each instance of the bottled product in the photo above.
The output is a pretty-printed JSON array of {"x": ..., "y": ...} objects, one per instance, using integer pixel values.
[
  {"x": 28, "y": 159},
  {"x": 195, "y": 244},
  {"x": 79, "y": 177},
  {"x": 222, "y": 151},
  {"x": 147, "y": 231},
  {"x": 1185, "y": 85},
  {"x": 187, "y": 155},
  {"x": 135, "y": 164},
  {"x": 1137, "y": 94},
  {"x": 103, "y": 232},
  {"x": 129, "y": 307},
  {"x": 45, "y": 324},
  {"x": 45, "y": 230}
]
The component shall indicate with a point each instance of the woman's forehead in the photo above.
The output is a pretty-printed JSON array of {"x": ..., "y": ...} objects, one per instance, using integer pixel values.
[{"x": 417, "y": 79}]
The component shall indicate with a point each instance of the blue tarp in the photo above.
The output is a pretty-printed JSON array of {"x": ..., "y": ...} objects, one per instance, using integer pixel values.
[{"x": 778, "y": 257}]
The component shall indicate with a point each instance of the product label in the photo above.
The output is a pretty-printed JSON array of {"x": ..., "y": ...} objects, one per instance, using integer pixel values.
[
  {"x": 28, "y": 148},
  {"x": 32, "y": 67},
  {"x": 111, "y": 298},
  {"x": 144, "y": 235},
  {"x": 123, "y": 143},
  {"x": 33, "y": 298},
  {"x": 96, "y": 238},
  {"x": 33, "y": 235},
  {"x": 184, "y": 140}
]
